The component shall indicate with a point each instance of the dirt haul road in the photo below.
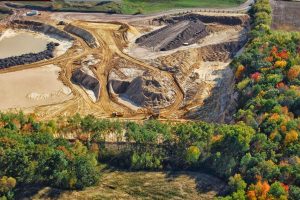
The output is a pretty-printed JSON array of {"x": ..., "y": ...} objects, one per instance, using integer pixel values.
[{"x": 114, "y": 39}]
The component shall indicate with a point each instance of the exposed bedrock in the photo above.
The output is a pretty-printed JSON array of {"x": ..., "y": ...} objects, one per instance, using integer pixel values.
[
  {"x": 85, "y": 35},
  {"x": 82, "y": 78},
  {"x": 28, "y": 58},
  {"x": 144, "y": 91},
  {"x": 42, "y": 28},
  {"x": 174, "y": 35}
]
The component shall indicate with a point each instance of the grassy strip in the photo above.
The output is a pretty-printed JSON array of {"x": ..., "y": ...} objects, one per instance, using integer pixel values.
[
  {"x": 131, "y": 6},
  {"x": 145, "y": 6}
]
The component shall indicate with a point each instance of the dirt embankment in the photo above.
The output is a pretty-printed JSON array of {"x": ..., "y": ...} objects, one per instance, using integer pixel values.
[
  {"x": 221, "y": 52},
  {"x": 29, "y": 58},
  {"x": 42, "y": 28},
  {"x": 85, "y": 35}
]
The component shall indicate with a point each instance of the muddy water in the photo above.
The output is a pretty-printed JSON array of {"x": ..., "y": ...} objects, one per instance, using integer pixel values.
[{"x": 21, "y": 43}]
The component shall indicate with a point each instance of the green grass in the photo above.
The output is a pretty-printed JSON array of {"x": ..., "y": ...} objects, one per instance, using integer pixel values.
[
  {"x": 33, "y": 3},
  {"x": 147, "y": 6},
  {"x": 134, "y": 6}
]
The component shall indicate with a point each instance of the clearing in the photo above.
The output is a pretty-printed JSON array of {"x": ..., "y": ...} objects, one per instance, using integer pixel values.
[
  {"x": 138, "y": 185},
  {"x": 286, "y": 15},
  {"x": 126, "y": 6}
]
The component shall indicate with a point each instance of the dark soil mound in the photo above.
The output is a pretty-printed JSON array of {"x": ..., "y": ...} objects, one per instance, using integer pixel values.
[
  {"x": 85, "y": 35},
  {"x": 174, "y": 35},
  {"x": 83, "y": 79},
  {"x": 28, "y": 58},
  {"x": 145, "y": 91}
]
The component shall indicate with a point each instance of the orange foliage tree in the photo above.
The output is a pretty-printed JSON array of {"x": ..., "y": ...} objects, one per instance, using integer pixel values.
[
  {"x": 293, "y": 72},
  {"x": 259, "y": 191}
]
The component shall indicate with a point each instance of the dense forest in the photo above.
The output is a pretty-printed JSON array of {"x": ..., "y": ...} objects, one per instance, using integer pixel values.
[{"x": 258, "y": 155}]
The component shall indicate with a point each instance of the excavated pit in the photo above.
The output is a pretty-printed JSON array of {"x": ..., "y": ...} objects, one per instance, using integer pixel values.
[
  {"x": 140, "y": 88},
  {"x": 185, "y": 30}
]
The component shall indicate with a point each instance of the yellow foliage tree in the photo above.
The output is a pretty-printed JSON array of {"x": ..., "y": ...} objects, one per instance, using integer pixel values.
[
  {"x": 291, "y": 136},
  {"x": 239, "y": 71},
  {"x": 280, "y": 64}
]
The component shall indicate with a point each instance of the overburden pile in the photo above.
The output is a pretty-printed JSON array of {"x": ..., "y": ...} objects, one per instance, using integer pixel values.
[{"x": 174, "y": 35}]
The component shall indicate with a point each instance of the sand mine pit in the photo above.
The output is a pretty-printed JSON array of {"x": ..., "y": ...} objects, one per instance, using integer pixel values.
[
  {"x": 171, "y": 67},
  {"x": 32, "y": 87}
]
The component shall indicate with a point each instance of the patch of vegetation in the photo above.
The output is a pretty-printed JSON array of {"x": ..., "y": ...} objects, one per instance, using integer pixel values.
[
  {"x": 137, "y": 185},
  {"x": 127, "y": 6},
  {"x": 268, "y": 79},
  {"x": 146, "y": 6}
]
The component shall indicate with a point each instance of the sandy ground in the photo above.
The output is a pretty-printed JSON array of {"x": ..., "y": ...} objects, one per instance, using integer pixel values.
[
  {"x": 16, "y": 44},
  {"x": 29, "y": 45},
  {"x": 32, "y": 87}
]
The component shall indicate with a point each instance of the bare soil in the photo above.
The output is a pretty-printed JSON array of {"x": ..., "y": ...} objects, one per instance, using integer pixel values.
[{"x": 32, "y": 87}]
